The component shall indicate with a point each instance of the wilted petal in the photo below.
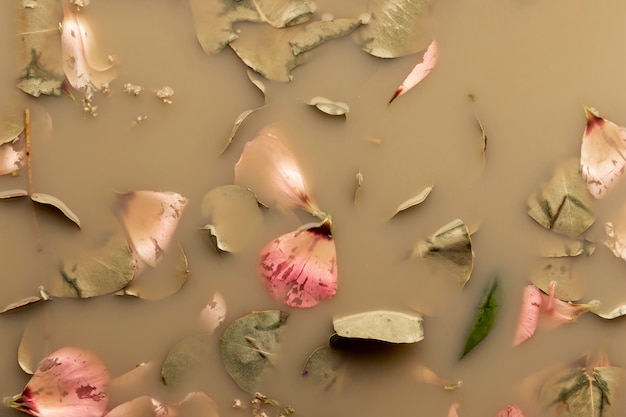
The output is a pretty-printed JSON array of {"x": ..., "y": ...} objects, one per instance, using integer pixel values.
[
  {"x": 71, "y": 382},
  {"x": 270, "y": 170},
  {"x": 529, "y": 316},
  {"x": 150, "y": 219},
  {"x": 602, "y": 154},
  {"x": 300, "y": 268},
  {"x": 214, "y": 313},
  {"x": 510, "y": 411},
  {"x": 420, "y": 71},
  {"x": 565, "y": 312},
  {"x": 454, "y": 409}
]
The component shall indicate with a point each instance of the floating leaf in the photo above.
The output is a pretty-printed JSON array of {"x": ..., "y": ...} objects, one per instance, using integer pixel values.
[
  {"x": 300, "y": 268},
  {"x": 70, "y": 382},
  {"x": 559, "y": 272},
  {"x": 618, "y": 311},
  {"x": 326, "y": 367},
  {"x": 150, "y": 219},
  {"x": 581, "y": 392},
  {"x": 234, "y": 216},
  {"x": 316, "y": 33},
  {"x": 602, "y": 153},
  {"x": 39, "y": 47},
  {"x": 452, "y": 246},
  {"x": 248, "y": 345},
  {"x": 186, "y": 361},
  {"x": 414, "y": 201},
  {"x": 382, "y": 325},
  {"x": 214, "y": 313},
  {"x": 13, "y": 194},
  {"x": 332, "y": 108},
  {"x": 562, "y": 205},
  {"x": 510, "y": 411},
  {"x": 43, "y": 296},
  {"x": 529, "y": 314},
  {"x": 269, "y": 169},
  {"x": 396, "y": 28},
  {"x": 485, "y": 317},
  {"x": 102, "y": 271},
  {"x": 419, "y": 72},
  {"x": 51, "y": 200},
  {"x": 84, "y": 67}
]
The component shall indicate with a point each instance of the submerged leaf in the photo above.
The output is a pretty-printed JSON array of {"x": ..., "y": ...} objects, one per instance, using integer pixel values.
[
  {"x": 562, "y": 205},
  {"x": 421, "y": 373},
  {"x": 269, "y": 169},
  {"x": 186, "y": 361},
  {"x": 332, "y": 108},
  {"x": 326, "y": 367},
  {"x": 382, "y": 325},
  {"x": 602, "y": 153},
  {"x": 51, "y": 200},
  {"x": 419, "y": 72},
  {"x": 396, "y": 28},
  {"x": 71, "y": 382},
  {"x": 529, "y": 314},
  {"x": 248, "y": 345},
  {"x": 414, "y": 201},
  {"x": 300, "y": 268},
  {"x": 485, "y": 317},
  {"x": 316, "y": 33},
  {"x": 557, "y": 271},
  {"x": 452, "y": 246}
]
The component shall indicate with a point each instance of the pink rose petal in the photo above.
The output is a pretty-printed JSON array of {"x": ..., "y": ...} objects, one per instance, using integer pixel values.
[
  {"x": 420, "y": 71},
  {"x": 529, "y": 315},
  {"x": 510, "y": 411}
]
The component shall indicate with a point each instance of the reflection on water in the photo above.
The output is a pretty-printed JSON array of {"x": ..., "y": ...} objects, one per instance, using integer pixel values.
[{"x": 531, "y": 67}]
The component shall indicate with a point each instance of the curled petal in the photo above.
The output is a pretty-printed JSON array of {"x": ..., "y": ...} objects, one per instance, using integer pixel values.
[
  {"x": 529, "y": 315},
  {"x": 420, "y": 71},
  {"x": 71, "y": 382},
  {"x": 300, "y": 268},
  {"x": 564, "y": 312}
]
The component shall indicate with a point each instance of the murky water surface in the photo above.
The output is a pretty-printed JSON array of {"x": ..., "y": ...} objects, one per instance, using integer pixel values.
[{"x": 531, "y": 65}]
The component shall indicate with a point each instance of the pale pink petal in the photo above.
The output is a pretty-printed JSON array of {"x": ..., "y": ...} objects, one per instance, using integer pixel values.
[
  {"x": 602, "y": 154},
  {"x": 82, "y": 69},
  {"x": 510, "y": 411},
  {"x": 150, "y": 219},
  {"x": 616, "y": 235},
  {"x": 564, "y": 312},
  {"x": 454, "y": 409},
  {"x": 420, "y": 71},
  {"x": 12, "y": 156},
  {"x": 214, "y": 313},
  {"x": 529, "y": 314},
  {"x": 71, "y": 382},
  {"x": 300, "y": 268},
  {"x": 269, "y": 169},
  {"x": 421, "y": 373}
]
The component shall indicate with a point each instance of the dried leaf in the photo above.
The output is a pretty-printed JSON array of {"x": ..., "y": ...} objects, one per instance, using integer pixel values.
[
  {"x": 452, "y": 246},
  {"x": 13, "y": 194},
  {"x": 396, "y": 28},
  {"x": 316, "y": 33},
  {"x": 414, "y": 201},
  {"x": 558, "y": 271},
  {"x": 485, "y": 317},
  {"x": 332, "y": 108},
  {"x": 43, "y": 296},
  {"x": 12, "y": 147},
  {"x": 602, "y": 153},
  {"x": 300, "y": 268},
  {"x": 39, "y": 48},
  {"x": 71, "y": 382},
  {"x": 562, "y": 205},
  {"x": 382, "y": 325},
  {"x": 326, "y": 367},
  {"x": 150, "y": 219},
  {"x": 248, "y": 345},
  {"x": 419, "y": 72},
  {"x": 51, "y": 200},
  {"x": 529, "y": 314}
]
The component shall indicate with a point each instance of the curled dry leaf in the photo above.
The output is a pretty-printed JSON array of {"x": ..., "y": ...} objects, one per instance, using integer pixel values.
[
  {"x": 70, "y": 382},
  {"x": 563, "y": 204},
  {"x": 83, "y": 64},
  {"x": 332, "y": 108},
  {"x": 26, "y": 301},
  {"x": 53, "y": 201},
  {"x": 382, "y": 325},
  {"x": 529, "y": 314},
  {"x": 602, "y": 153},
  {"x": 150, "y": 219},
  {"x": 300, "y": 268},
  {"x": 269, "y": 169},
  {"x": 214, "y": 313},
  {"x": 510, "y": 411},
  {"x": 414, "y": 201},
  {"x": 420, "y": 71},
  {"x": 452, "y": 246}
]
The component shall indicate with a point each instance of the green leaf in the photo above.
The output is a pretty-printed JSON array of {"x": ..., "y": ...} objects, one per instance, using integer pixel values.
[
  {"x": 382, "y": 325},
  {"x": 485, "y": 317},
  {"x": 186, "y": 361},
  {"x": 563, "y": 204},
  {"x": 248, "y": 345},
  {"x": 332, "y": 108},
  {"x": 51, "y": 200},
  {"x": 326, "y": 367},
  {"x": 396, "y": 28}
]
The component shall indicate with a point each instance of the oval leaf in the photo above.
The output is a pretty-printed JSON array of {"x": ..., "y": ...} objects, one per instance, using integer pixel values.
[
  {"x": 186, "y": 361},
  {"x": 326, "y": 367},
  {"x": 51, "y": 200},
  {"x": 248, "y": 345},
  {"x": 485, "y": 317},
  {"x": 386, "y": 326}
]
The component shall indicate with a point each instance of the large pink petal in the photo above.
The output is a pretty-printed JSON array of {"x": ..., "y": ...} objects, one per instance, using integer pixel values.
[
  {"x": 300, "y": 267},
  {"x": 510, "y": 411},
  {"x": 71, "y": 382},
  {"x": 529, "y": 315},
  {"x": 602, "y": 154},
  {"x": 269, "y": 169},
  {"x": 420, "y": 71}
]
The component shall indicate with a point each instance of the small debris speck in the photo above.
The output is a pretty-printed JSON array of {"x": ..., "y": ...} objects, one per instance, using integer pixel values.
[
  {"x": 132, "y": 89},
  {"x": 237, "y": 404},
  {"x": 165, "y": 94},
  {"x": 139, "y": 120}
]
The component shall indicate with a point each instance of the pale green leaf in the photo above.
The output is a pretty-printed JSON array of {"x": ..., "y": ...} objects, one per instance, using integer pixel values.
[
  {"x": 186, "y": 360},
  {"x": 382, "y": 325},
  {"x": 484, "y": 318},
  {"x": 326, "y": 367}
]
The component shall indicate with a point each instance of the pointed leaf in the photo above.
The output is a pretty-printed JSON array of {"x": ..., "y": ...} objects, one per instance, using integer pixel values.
[
  {"x": 187, "y": 361},
  {"x": 71, "y": 382},
  {"x": 51, "y": 200},
  {"x": 420, "y": 71},
  {"x": 238, "y": 122},
  {"x": 332, "y": 108},
  {"x": 150, "y": 219},
  {"x": 602, "y": 153},
  {"x": 316, "y": 33},
  {"x": 485, "y": 317},
  {"x": 451, "y": 245},
  {"x": 529, "y": 314},
  {"x": 249, "y": 344},
  {"x": 386, "y": 326},
  {"x": 396, "y": 28},
  {"x": 326, "y": 367},
  {"x": 300, "y": 268},
  {"x": 414, "y": 201},
  {"x": 563, "y": 204}
]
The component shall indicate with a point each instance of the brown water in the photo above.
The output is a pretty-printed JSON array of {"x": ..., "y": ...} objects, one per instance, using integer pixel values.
[{"x": 531, "y": 65}]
